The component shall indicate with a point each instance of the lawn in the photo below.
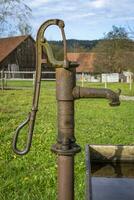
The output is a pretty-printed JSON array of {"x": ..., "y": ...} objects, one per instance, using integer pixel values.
[
  {"x": 33, "y": 176},
  {"x": 50, "y": 84}
]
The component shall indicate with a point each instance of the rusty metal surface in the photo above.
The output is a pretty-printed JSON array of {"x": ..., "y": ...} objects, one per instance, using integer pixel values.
[
  {"x": 65, "y": 177},
  {"x": 65, "y": 82},
  {"x": 40, "y": 41},
  {"x": 66, "y": 93},
  {"x": 83, "y": 92}
]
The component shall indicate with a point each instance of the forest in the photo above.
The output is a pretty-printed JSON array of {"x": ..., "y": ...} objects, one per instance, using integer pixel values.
[{"x": 113, "y": 53}]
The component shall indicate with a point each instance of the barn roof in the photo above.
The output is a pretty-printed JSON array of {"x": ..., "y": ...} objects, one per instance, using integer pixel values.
[
  {"x": 84, "y": 59},
  {"x": 7, "y": 45}
]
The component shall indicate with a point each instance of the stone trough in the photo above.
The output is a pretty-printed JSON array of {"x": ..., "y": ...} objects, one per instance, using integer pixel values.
[
  {"x": 111, "y": 153},
  {"x": 109, "y": 172}
]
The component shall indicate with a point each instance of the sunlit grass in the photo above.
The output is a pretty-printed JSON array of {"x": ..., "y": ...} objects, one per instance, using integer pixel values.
[
  {"x": 125, "y": 87},
  {"x": 33, "y": 176}
]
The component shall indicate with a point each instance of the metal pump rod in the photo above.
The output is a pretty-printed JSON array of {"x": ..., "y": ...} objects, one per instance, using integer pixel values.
[
  {"x": 41, "y": 43},
  {"x": 66, "y": 93}
]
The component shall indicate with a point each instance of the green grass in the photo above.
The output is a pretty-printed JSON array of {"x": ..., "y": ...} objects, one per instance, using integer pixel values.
[
  {"x": 33, "y": 176},
  {"x": 50, "y": 84}
]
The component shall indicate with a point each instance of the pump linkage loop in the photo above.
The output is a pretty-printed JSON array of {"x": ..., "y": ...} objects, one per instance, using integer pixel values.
[{"x": 41, "y": 46}]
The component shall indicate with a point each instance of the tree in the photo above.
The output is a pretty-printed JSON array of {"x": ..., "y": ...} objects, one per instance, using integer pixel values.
[
  {"x": 24, "y": 28},
  {"x": 14, "y": 17},
  {"x": 117, "y": 33},
  {"x": 113, "y": 53}
]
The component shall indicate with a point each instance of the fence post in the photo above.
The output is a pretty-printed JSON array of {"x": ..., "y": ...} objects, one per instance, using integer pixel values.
[
  {"x": 2, "y": 79},
  {"x": 106, "y": 81},
  {"x": 5, "y": 79},
  {"x": 82, "y": 79},
  {"x": 34, "y": 74},
  {"x": 130, "y": 82}
]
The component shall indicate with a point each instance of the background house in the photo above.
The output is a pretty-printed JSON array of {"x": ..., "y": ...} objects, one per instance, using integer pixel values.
[
  {"x": 85, "y": 61},
  {"x": 85, "y": 70},
  {"x": 17, "y": 53}
]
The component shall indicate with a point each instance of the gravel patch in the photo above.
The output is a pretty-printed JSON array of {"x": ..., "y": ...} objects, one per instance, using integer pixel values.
[{"x": 127, "y": 98}]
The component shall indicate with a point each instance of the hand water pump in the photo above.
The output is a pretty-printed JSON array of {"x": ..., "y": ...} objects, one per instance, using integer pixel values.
[{"x": 66, "y": 94}]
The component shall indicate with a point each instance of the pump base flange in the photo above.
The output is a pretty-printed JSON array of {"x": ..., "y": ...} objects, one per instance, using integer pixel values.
[{"x": 60, "y": 150}]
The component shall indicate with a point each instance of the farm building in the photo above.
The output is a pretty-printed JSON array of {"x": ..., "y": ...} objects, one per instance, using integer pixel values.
[
  {"x": 84, "y": 59},
  {"x": 17, "y": 53},
  {"x": 85, "y": 68}
]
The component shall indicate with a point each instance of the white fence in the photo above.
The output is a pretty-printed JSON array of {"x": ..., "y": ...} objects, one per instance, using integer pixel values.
[
  {"x": 110, "y": 78},
  {"x": 24, "y": 75},
  {"x": 6, "y": 76}
]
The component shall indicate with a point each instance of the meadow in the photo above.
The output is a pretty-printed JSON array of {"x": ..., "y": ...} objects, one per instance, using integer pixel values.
[{"x": 33, "y": 176}]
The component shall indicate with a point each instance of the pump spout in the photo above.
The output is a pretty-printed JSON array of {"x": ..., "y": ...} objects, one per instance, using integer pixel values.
[{"x": 82, "y": 92}]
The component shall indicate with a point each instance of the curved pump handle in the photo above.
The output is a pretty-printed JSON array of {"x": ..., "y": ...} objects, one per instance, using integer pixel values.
[
  {"x": 26, "y": 149},
  {"x": 41, "y": 43}
]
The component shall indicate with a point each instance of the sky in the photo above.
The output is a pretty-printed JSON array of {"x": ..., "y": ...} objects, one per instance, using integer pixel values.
[{"x": 84, "y": 19}]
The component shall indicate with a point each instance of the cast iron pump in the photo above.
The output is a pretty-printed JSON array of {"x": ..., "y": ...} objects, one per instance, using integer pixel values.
[{"x": 66, "y": 93}]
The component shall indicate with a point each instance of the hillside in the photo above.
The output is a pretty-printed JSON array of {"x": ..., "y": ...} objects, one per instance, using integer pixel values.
[{"x": 74, "y": 45}]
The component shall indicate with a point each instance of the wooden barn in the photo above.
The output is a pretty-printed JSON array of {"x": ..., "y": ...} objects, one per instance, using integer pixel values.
[{"x": 17, "y": 53}]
